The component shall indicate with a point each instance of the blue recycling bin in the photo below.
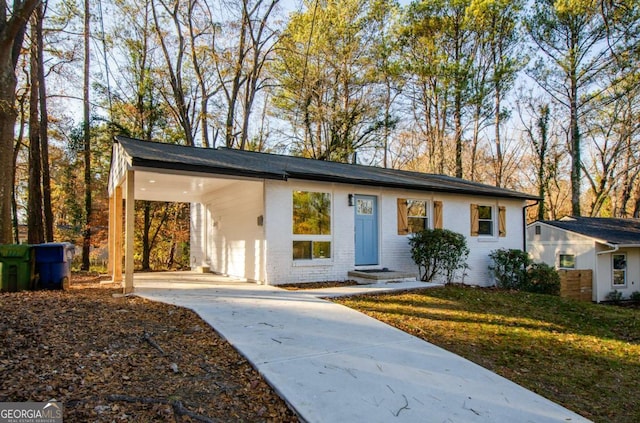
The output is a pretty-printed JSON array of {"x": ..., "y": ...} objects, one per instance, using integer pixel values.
[{"x": 53, "y": 264}]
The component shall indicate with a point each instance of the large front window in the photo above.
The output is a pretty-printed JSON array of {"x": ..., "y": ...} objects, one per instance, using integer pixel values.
[{"x": 311, "y": 225}]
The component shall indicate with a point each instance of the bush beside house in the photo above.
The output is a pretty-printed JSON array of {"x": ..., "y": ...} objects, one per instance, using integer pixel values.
[
  {"x": 439, "y": 252},
  {"x": 514, "y": 269}
]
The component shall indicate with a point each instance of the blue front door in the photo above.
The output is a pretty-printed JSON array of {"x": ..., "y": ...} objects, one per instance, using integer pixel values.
[{"x": 366, "y": 221}]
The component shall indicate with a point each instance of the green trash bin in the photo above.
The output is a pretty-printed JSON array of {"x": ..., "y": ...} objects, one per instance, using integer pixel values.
[{"x": 17, "y": 267}]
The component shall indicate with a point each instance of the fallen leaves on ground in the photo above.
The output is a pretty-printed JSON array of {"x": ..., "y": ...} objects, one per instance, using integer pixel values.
[{"x": 111, "y": 359}]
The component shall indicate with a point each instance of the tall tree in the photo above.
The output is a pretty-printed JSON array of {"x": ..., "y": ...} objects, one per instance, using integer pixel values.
[
  {"x": 570, "y": 35},
  {"x": 86, "y": 131},
  {"x": 13, "y": 21},
  {"x": 496, "y": 23},
  {"x": 261, "y": 45},
  {"x": 388, "y": 68},
  {"x": 325, "y": 87},
  {"x": 35, "y": 228},
  {"x": 442, "y": 48},
  {"x": 44, "y": 126},
  {"x": 181, "y": 105},
  {"x": 535, "y": 116}
]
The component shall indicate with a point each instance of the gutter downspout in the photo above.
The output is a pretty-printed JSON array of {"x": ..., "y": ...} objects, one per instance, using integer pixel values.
[
  {"x": 614, "y": 248},
  {"x": 524, "y": 224}
]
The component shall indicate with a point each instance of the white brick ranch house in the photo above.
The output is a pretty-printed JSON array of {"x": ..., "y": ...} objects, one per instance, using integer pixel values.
[{"x": 277, "y": 219}]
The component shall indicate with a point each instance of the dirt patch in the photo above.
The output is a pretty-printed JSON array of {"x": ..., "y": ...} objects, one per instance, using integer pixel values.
[
  {"x": 316, "y": 285},
  {"x": 125, "y": 359}
]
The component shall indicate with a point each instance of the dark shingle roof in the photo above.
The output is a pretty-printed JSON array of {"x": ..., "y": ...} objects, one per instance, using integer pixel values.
[
  {"x": 272, "y": 166},
  {"x": 610, "y": 230}
]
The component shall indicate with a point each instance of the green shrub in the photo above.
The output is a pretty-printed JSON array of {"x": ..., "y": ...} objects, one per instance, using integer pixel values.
[
  {"x": 614, "y": 296},
  {"x": 438, "y": 252},
  {"x": 514, "y": 269},
  {"x": 635, "y": 296},
  {"x": 510, "y": 268},
  {"x": 543, "y": 279}
]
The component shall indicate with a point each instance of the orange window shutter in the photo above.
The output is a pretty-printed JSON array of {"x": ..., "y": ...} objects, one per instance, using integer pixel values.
[
  {"x": 475, "y": 226},
  {"x": 437, "y": 215},
  {"x": 502, "y": 221},
  {"x": 403, "y": 220}
]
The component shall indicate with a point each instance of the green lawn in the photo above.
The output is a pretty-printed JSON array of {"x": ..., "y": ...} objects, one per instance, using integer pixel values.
[{"x": 581, "y": 355}]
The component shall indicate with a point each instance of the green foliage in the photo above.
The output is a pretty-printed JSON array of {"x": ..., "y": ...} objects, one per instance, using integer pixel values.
[
  {"x": 614, "y": 296},
  {"x": 438, "y": 252},
  {"x": 513, "y": 269},
  {"x": 635, "y": 296},
  {"x": 543, "y": 279},
  {"x": 510, "y": 268}
]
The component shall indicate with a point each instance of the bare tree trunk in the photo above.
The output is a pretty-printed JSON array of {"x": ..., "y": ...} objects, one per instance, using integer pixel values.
[
  {"x": 232, "y": 96},
  {"x": 499, "y": 156},
  {"x": 181, "y": 109},
  {"x": 35, "y": 228},
  {"x": 543, "y": 177},
  {"x": 146, "y": 244},
  {"x": 86, "y": 243},
  {"x": 204, "y": 100},
  {"x": 16, "y": 151},
  {"x": 11, "y": 37},
  {"x": 44, "y": 137}
]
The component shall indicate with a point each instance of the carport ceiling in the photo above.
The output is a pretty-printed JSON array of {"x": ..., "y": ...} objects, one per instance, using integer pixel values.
[{"x": 174, "y": 187}]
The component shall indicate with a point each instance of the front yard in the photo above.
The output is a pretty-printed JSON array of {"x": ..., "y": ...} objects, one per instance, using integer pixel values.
[
  {"x": 581, "y": 355},
  {"x": 120, "y": 359}
]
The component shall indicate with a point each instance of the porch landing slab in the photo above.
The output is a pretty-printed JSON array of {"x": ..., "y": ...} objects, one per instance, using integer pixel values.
[
  {"x": 379, "y": 276},
  {"x": 334, "y": 364}
]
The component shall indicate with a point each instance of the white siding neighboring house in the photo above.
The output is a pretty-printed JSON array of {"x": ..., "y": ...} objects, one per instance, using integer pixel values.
[
  {"x": 279, "y": 219},
  {"x": 609, "y": 247}
]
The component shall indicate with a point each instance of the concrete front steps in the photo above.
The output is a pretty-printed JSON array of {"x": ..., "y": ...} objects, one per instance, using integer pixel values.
[{"x": 379, "y": 276}]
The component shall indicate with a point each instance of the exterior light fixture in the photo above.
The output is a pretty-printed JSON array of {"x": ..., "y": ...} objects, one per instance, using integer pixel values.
[{"x": 352, "y": 200}]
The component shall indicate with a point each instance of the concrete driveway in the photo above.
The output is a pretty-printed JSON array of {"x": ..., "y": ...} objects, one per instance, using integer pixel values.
[{"x": 334, "y": 364}]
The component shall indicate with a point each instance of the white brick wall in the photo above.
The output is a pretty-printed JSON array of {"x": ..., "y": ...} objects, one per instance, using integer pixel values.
[
  {"x": 394, "y": 248},
  {"x": 225, "y": 232}
]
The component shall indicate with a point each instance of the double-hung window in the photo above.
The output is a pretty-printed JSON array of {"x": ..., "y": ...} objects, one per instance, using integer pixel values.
[
  {"x": 414, "y": 215},
  {"x": 311, "y": 225},
  {"x": 417, "y": 216},
  {"x": 619, "y": 269},
  {"x": 485, "y": 219}
]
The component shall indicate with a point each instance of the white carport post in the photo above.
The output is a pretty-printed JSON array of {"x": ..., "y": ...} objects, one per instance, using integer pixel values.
[{"x": 130, "y": 217}]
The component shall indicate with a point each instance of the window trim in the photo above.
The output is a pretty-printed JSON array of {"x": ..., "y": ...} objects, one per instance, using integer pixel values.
[
  {"x": 560, "y": 261},
  {"x": 498, "y": 221},
  {"x": 613, "y": 270},
  {"x": 313, "y": 238},
  {"x": 433, "y": 210},
  {"x": 427, "y": 215}
]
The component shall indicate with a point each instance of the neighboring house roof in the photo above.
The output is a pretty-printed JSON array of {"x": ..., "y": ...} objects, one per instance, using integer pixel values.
[
  {"x": 272, "y": 166},
  {"x": 605, "y": 229}
]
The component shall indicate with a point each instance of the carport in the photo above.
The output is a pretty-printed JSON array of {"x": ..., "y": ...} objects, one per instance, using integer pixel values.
[{"x": 137, "y": 174}]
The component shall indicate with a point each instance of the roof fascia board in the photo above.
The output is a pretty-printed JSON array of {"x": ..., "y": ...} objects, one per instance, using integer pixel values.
[
  {"x": 183, "y": 168},
  {"x": 602, "y": 241},
  {"x": 355, "y": 181},
  {"x": 199, "y": 174},
  {"x": 118, "y": 170},
  {"x": 623, "y": 245}
]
